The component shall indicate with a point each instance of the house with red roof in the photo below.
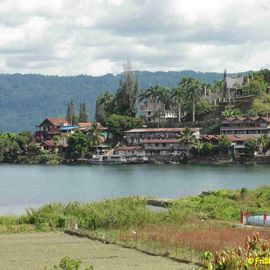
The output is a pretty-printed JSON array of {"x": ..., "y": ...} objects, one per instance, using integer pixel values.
[{"x": 50, "y": 127}]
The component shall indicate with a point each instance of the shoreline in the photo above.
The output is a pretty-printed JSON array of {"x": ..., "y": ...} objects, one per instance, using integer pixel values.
[{"x": 164, "y": 161}]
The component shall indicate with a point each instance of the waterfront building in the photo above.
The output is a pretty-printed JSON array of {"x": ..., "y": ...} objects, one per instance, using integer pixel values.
[
  {"x": 161, "y": 141},
  {"x": 253, "y": 126},
  {"x": 50, "y": 127}
]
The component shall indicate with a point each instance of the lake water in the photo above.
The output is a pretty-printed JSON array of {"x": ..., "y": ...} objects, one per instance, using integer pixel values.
[{"x": 23, "y": 186}]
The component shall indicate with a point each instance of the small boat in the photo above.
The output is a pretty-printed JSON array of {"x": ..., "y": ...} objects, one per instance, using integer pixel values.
[
  {"x": 118, "y": 159},
  {"x": 107, "y": 159}
]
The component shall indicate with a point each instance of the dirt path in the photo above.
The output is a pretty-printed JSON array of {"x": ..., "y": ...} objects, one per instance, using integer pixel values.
[{"x": 43, "y": 250}]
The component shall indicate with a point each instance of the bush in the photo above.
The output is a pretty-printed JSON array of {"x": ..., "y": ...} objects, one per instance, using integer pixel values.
[
  {"x": 68, "y": 263},
  {"x": 241, "y": 257}
]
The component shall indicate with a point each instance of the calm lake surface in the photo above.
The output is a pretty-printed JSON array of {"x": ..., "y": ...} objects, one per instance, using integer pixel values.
[{"x": 23, "y": 186}]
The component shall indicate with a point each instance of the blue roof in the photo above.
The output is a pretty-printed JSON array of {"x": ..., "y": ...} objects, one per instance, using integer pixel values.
[{"x": 67, "y": 128}]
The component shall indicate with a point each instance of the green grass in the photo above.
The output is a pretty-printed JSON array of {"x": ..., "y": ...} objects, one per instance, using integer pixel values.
[{"x": 126, "y": 212}]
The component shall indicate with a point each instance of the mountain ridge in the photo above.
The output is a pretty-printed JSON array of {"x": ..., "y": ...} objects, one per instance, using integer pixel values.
[{"x": 26, "y": 99}]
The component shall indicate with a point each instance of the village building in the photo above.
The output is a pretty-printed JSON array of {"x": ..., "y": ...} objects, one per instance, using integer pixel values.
[
  {"x": 160, "y": 141},
  {"x": 50, "y": 127},
  {"x": 255, "y": 126},
  {"x": 232, "y": 87},
  {"x": 153, "y": 112}
]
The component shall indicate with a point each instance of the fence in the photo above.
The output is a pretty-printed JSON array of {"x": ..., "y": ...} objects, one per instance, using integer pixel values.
[
  {"x": 142, "y": 243},
  {"x": 247, "y": 218}
]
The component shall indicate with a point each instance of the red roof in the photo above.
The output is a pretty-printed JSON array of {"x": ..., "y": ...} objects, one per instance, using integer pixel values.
[
  {"x": 84, "y": 125},
  {"x": 254, "y": 118},
  {"x": 242, "y": 138},
  {"x": 58, "y": 121},
  {"x": 147, "y": 130},
  {"x": 209, "y": 137},
  {"x": 161, "y": 141}
]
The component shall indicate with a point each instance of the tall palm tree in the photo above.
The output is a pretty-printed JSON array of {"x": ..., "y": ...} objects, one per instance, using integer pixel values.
[
  {"x": 144, "y": 97},
  {"x": 178, "y": 95},
  {"x": 193, "y": 94},
  {"x": 164, "y": 97},
  {"x": 95, "y": 134},
  {"x": 197, "y": 145},
  {"x": 153, "y": 94}
]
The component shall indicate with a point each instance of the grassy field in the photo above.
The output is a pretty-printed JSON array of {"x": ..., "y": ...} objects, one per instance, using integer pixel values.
[{"x": 27, "y": 251}]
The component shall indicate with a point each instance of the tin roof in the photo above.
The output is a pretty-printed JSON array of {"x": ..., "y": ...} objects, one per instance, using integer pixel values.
[{"x": 152, "y": 130}]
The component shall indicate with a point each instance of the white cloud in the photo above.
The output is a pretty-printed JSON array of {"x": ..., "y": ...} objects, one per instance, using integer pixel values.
[{"x": 71, "y": 36}]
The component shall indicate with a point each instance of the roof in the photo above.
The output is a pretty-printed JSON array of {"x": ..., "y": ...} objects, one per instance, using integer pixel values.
[
  {"x": 244, "y": 137},
  {"x": 57, "y": 121},
  {"x": 234, "y": 82},
  {"x": 161, "y": 141},
  {"x": 152, "y": 130},
  {"x": 231, "y": 119},
  {"x": 209, "y": 137},
  {"x": 128, "y": 147},
  {"x": 84, "y": 125},
  {"x": 67, "y": 128}
]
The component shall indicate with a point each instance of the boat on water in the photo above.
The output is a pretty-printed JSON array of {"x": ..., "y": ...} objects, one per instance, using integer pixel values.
[{"x": 118, "y": 159}]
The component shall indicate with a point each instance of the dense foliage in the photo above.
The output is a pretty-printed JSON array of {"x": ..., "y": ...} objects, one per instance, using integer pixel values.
[
  {"x": 14, "y": 147},
  {"x": 254, "y": 255},
  {"x": 117, "y": 124},
  {"x": 26, "y": 99},
  {"x": 133, "y": 211}
]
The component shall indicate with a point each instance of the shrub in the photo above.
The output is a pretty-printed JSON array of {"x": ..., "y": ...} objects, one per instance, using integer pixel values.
[{"x": 68, "y": 263}]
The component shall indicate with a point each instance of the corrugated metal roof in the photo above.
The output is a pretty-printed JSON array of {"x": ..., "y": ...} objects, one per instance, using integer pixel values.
[{"x": 152, "y": 130}]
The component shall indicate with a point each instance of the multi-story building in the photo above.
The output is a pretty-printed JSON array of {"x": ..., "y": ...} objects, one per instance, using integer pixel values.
[
  {"x": 161, "y": 141},
  {"x": 154, "y": 112},
  {"x": 255, "y": 126}
]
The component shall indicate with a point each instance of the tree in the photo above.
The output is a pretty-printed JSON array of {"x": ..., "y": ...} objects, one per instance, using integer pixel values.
[
  {"x": 95, "y": 134},
  {"x": 78, "y": 145},
  {"x": 224, "y": 144},
  {"x": 197, "y": 146},
  {"x": 193, "y": 93},
  {"x": 207, "y": 149},
  {"x": 263, "y": 143},
  {"x": 118, "y": 124},
  {"x": 250, "y": 146},
  {"x": 164, "y": 97},
  {"x": 144, "y": 97},
  {"x": 187, "y": 137},
  {"x": 178, "y": 95},
  {"x": 83, "y": 117},
  {"x": 104, "y": 106},
  {"x": 261, "y": 105},
  {"x": 127, "y": 93},
  {"x": 255, "y": 85},
  {"x": 70, "y": 112},
  {"x": 230, "y": 111}
]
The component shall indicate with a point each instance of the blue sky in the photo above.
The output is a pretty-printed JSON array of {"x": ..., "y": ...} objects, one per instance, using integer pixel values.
[{"x": 69, "y": 37}]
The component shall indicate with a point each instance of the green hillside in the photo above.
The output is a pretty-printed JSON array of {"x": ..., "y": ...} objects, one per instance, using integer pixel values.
[{"x": 26, "y": 99}]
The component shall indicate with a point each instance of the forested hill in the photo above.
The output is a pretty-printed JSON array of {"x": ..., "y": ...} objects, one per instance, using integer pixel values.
[{"x": 27, "y": 99}]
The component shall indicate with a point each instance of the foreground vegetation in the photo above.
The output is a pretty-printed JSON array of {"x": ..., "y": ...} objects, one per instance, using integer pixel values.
[
  {"x": 222, "y": 205},
  {"x": 185, "y": 230}
]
